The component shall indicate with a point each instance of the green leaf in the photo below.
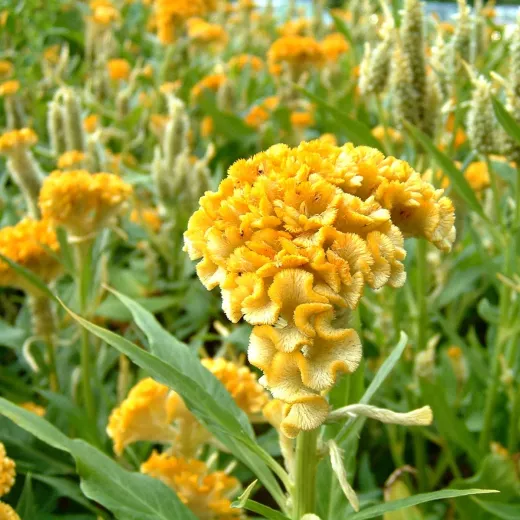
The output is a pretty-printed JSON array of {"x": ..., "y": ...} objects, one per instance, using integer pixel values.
[
  {"x": 183, "y": 372},
  {"x": 458, "y": 181},
  {"x": 243, "y": 502},
  {"x": 342, "y": 27},
  {"x": 111, "y": 308},
  {"x": 396, "y": 505},
  {"x": 504, "y": 511},
  {"x": 25, "y": 507},
  {"x": 505, "y": 119},
  {"x": 356, "y": 131},
  {"x": 130, "y": 496},
  {"x": 396, "y": 491}
]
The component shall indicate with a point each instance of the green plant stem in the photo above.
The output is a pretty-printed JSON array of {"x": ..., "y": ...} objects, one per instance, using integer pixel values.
[
  {"x": 422, "y": 290},
  {"x": 512, "y": 439},
  {"x": 381, "y": 115},
  {"x": 53, "y": 371},
  {"x": 494, "y": 189},
  {"x": 83, "y": 261},
  {"x": 304, "y": 494}
]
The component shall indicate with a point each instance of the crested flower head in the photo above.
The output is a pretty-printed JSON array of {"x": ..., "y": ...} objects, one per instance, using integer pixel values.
[
  {"x": 81, "y": 202},
  {"x": 211, "y": 83},
  {"x": 142, "y": 416},
  {"x": 9, "y": 88},
  {"x": 17, "y": 139},
  {"x": 292, "y": 236},
  {"x": 7, "y": 472},
  {"x": 90, "y": 123},
  {"x": 240, "y": 382},
  {"x": 242, "y": 61},
  {"x": 205, "y": 33},
  {"x": 147, "y": 217},
  {"x": 7, "y": 512},
  {"x": 103, "y": 12},
  {"x": 207, "y": 494},
  {"x": 298, "y": 52},
  {"x": 334, "y": 45},
  {"x": 31, "y": 244},
  {"x": 71, "y": 159},
  {"x": 118, "y": 69},
  {"x": 477, "y": 175}
]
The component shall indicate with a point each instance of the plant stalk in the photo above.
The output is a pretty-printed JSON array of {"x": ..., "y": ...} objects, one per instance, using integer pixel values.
[{"x": 304, "y": 494}]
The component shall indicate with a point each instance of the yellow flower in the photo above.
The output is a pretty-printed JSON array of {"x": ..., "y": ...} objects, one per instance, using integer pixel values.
[
  {"x": 298, "y": 52},
  {"x": 212, "y": 82},
  {"x": 103, "y": 12},
  {"x": 71, "y": 159},
  {"x": 7, "y": 472},
  {"x": 118, "y": 69},
  {"x": 142, "y": 416},
  {"x": 147, "y": 71},
  {"x": 14, "y": 140},
  {"x": 207, "y": 494},
  {"x": 52, "y": 54},
  {"x": 9, "y": 88},
  {"x": 6, "y": 69},
  {"x": 170, "y": 87},
  {"x": 334, "y": 45},
  {"x": 328, "y": 139},
  {"x": 82, "y": 202},
  {"x": 246, "y": 60},
  {"x": 240, "y": 382},
  {"x": 202, "y": 32},
  {"x": 207, "y": 126},
  {"x": 29, "y": 243},
  {"x": 394, "y": 135},
  {"x": 296, "y": 27},
  {"x": 292, "y": 236},
  {"x": 34, "y": 408},
  {"x": 7, "y": 512},
  {"x": 257, "y": 116},
  {"x": 477, "y": 175},
  {"x": 90, "y": 123},
  {"x": 148, "y": 216},
  {"x": 301, "y": 119},
  {"x": 158, "y": 124}
]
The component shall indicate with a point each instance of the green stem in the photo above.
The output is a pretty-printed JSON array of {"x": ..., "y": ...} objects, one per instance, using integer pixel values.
[
  {"x": 422, "y": 290},
  {"x": 304, "y": 494},
  {"x": 495, "y": 191},
  {"x": 53, "y": 371},
  {"x": 83, "y": 264},
  {"x": 514, "y": 419}
]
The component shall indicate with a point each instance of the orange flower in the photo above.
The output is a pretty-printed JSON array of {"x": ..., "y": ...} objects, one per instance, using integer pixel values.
[
  {"x": 204, "y": 33},
  {"x": 257, "y": 116},
  {"x": 147, "y": 217},
  {"x": 207, "y": 126},
  {"x": 334, "y": 45},
  {"x": 71, "y": 159},
  {"x": 6, "y": 69},
  {"x": 246, "y": 60},
  {"x": 299, "y": 52},
  {"x": 301, "y": 119},
  {"x": 292, "y": 236},
  {"x": 9, "y": 88},
  {"x": 90, "y": 123},
  {"x": 212, "y": 82},
  {"x": 118, "y": 69}
]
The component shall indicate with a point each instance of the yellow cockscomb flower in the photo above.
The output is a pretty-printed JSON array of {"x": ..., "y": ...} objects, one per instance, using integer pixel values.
[
  {"x": 394, "y": 135},
  {"x": 301, "y": 119},
  {"x": 242, "y": 61},
  {"x": 118, "y": 69},
  {"x": 6, "y": 69},
  {"x": 328, "y": 139},
  {"x": 71, "y": 159},
  {"x": 257, "y": 116},
  {"x": 292, "y": 236},
  {"x": 14, "y": 140},
  {"x": 143, "y": 416},
  {"x": 103, "y": 12},
  {"x": 34, "y": 408},
  {"x": 299, "y": 53},
  {"x": 90, "y": 123},
  {"x": 7, "y": 472},
  {"x": 209, "y": 83},
  {"x": 149, "y": 217},
  {"x": 477, "y": 175},
  {"x": 334, "y": 45},
  {"x": 82, "y": 202},
  {"x": 207, "y": 494},
  {"x": 240, "y": 382},
  {"x": 9, "y": 88},
  {"x": 29, "y": 243},
  {"x": 205, "y": 33},
  {"x": 7, "y": 512}
]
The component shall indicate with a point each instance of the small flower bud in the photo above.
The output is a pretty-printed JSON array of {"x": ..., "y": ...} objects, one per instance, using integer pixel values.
[
  {"x": 56, "y": 128},
  {"x": 481, "y": 118},
  {"x": 74, "y": 136}
]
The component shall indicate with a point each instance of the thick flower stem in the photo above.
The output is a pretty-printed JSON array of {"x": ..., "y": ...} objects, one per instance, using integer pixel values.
[
  {"x": 83, "y": 261},
  {"x": 304, "y": 495}
]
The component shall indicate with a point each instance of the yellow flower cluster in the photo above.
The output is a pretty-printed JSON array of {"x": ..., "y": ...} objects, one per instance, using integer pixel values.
[
  {"x": 291, "y": 237},
  {"x": 6, "y": 69},
  {"x": 212, "y": 82},
  {"x": 7, "y": 512},
  {"x": 7, "y": 472},
  {"x": 241, "y": 61},
  {"x": 103, "y": 12},
  {"x": 299, "y": 53},
  {"x": 71, "y": 159},
  {"x": 29, "y": 243},
  {"x": 9, "y": 88},
  {"x": 207, "y": 494},
  {"x": 90, "y": 123},
  {"x": 301, "y": 119},
  {"x": 477, "y": 175},
  {"x": 81, "y": 202},
  {"x": 334, "y": 45},
  {"x": 295, "y": 27},
  {"x": 15, "y": 139},
  {"x": 259, "y": 114},
  {"x": 240, "y": 382},
  {"x": 149, "y": 217},
  {"x": 205, "y": 33},
  {"x": 170, "y": 13},
  {"x": 118, "y": 69}
]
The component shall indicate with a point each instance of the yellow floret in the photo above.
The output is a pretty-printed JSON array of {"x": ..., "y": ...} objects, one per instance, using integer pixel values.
[
  {"x": 15, "y": 139},
  {"x": 7, "y": 472}
]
